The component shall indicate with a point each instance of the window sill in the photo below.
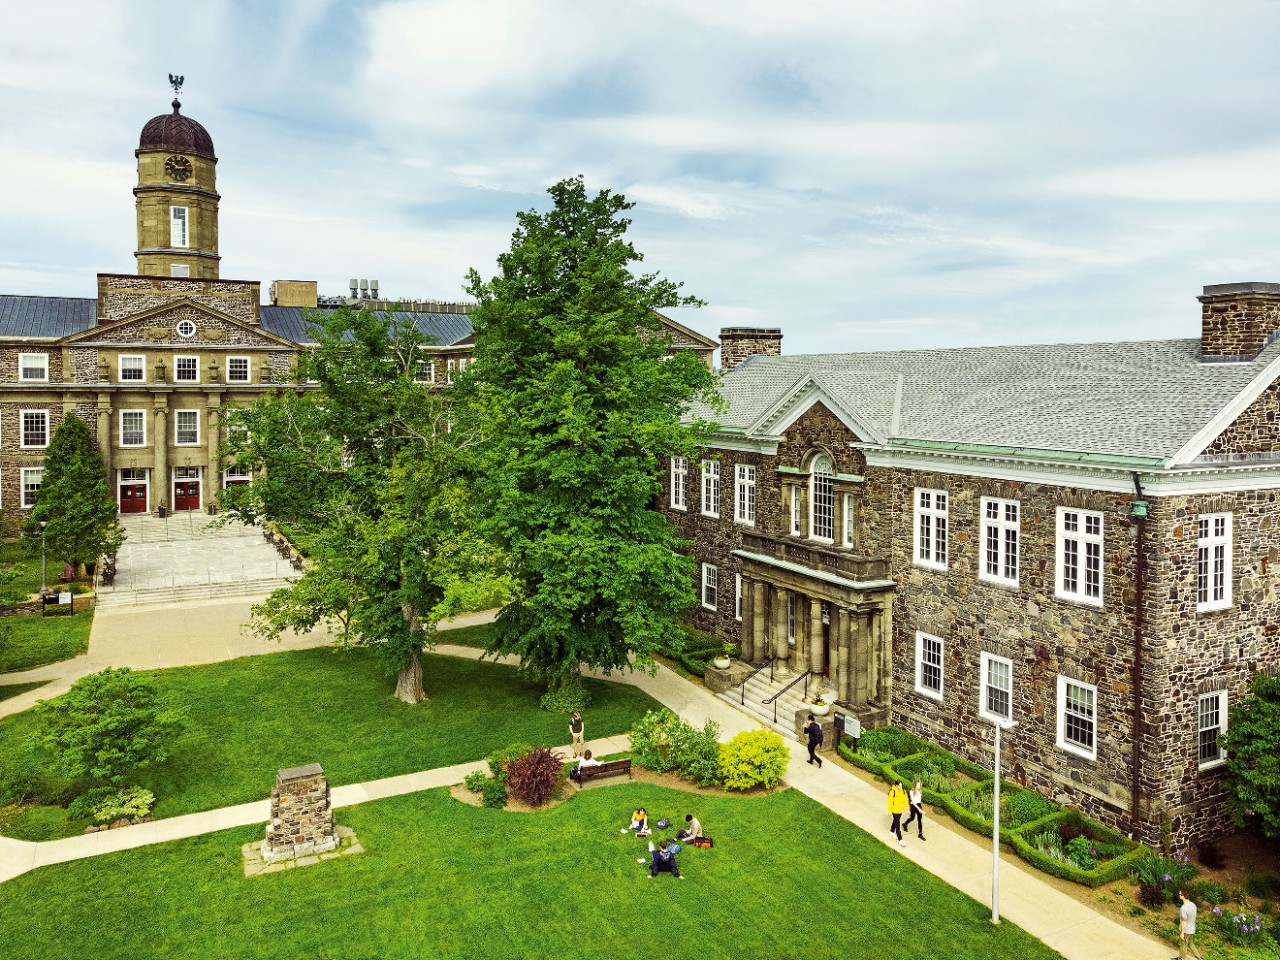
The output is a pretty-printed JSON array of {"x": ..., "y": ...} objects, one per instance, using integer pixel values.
[
  {"x": 1078, "y": 601},
  {"x": 993, "y": 718},
  {"x": 681, "y": 509},
  {"x": 1075, "y": 751},
  {"x": 926, "y": 565},
  {"x": 745, "y": 523},
  {"x": 713, "y": 516},
  {"x": 996, "y": 582},
  {"x": 1212, "y": 765},
  {"x": 931, "y": 694},
  {"x": 1215, "y": 608},
  {"x": 712, "y": 609}
]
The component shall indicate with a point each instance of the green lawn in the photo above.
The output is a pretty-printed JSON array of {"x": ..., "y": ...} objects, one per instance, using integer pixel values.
[
  {"x": 13, "y": 553},
  {"x": 253, "y": 716},
  {"x": 787, "y": 878},
  {"x": 15, "y": 689},
  {"x": 32, "y": 640},
  {"x": 477, "y": 636}
]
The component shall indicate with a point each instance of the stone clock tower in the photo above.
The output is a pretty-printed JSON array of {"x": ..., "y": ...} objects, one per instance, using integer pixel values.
[{"x": 177, "y": 199}]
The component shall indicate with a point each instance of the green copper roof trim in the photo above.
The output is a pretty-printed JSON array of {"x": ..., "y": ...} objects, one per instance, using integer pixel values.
[
  {"x": 1031, "y": 453},
  {"x": 862, "y": 585},
  {"x": 795, "y": 470},
  {"x": 850, "y": 477}
]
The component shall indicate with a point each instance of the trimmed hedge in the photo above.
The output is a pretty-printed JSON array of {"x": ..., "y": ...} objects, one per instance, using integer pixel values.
[{"x": 1107, "y": 872}]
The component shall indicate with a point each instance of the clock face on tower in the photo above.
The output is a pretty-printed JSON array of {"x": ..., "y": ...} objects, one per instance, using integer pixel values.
[{"x": 178, "y": 167}]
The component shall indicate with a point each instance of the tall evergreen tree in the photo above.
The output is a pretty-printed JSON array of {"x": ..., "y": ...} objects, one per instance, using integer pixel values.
[
  {"x": 575, "y": 401},
  {"x": 74, "y": 499}
]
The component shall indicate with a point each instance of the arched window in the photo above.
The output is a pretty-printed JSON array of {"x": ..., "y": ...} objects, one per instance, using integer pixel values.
[{"x": 822, "y": 500}]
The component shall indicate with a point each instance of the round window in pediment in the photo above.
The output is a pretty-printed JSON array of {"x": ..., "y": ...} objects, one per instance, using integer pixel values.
[{"x": 186, "y": 328}]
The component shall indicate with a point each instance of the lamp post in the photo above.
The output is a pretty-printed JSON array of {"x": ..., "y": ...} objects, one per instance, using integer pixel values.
[
  {"x": 44, "y": 578},
  {"x": 995, "y": 825}
]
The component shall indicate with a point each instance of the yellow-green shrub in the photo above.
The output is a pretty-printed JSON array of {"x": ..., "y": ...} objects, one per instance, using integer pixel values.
[{"x": 753, "y": 758}]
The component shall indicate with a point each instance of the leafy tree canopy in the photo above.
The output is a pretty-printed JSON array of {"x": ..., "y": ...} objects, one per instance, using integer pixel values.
[
  {"x": 1252, "y": 742},
  {"x": 74, "y": 500},
  {"x": 363, "y": 469},
  {"x": 576, "y": 398}
]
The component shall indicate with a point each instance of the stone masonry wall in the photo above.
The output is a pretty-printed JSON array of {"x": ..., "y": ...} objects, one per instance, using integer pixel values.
[
  {"x": 1237, "y": 326},
  {"x": 1256, "y": 430},
  {"x": 738, "y": 343},
  {"x": 124, "y": 296}
]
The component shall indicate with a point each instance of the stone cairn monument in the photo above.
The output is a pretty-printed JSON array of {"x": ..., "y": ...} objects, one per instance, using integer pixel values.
[{"x": 301, "y": 815}]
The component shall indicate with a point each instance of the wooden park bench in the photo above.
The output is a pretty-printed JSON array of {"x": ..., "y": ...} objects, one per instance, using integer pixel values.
[{"x": 609, "y": 768}]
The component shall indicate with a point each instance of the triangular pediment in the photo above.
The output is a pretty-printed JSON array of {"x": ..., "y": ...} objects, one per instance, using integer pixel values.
[
  {"x": 160, "y": 327},
  {"x": 801, "y": 398},
  {"x": 682, "y": 336}
]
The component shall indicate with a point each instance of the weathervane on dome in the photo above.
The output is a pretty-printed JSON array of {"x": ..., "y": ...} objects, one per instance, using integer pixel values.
[{"x": 176, "y": 83}]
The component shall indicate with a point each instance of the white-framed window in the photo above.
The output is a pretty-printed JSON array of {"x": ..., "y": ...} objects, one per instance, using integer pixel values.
[
  {"x": 1077, "y": 717},
  {"x": 186, "y": 427},
  {"x": 133, "y": 475},
  {"x": 848, "y": 520},
  {"x": 996, "y": 697},
  {"x": 791, "y": 619},
  {"x": 35, "y": 429},
  {"x": 679, "y": 483},
  {"x": 710, "y": 585},
  {"x": 234, "y": 475},
  {"x": 1213, "y": 561},
  {"x": 33, "y": 366},
  {"x": 133, "y": 428},
  {"x": 711, "y": 488},
  {"x": 178, "y": 233},
  {"x": 31, "y": 478},
  {"x": 425, "y": 372},
  {"x": 237, "y": 369},
  {"x": 822, "y": 499},
  {"x": 133, "y": 368},
  {"x": 737, "y": 597},
  {"x": 745, "y": 501},
  {"x": 186, "y": 369},
  {"x": 182, "y": 270},
  {"x": 1000, "y": 530},
  {"x": 1211, "y": 723},
  {"x": 929, "y": 678},
  {"x": 1079, "y": 549},
  {"x": 931, "y": 528},
  {"x": 797, "y": 511}
]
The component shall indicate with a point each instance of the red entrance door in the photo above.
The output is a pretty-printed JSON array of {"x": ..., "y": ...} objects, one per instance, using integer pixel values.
[
  {"x": 186, "y": 495},
  {"x": 133, "y": 498}
]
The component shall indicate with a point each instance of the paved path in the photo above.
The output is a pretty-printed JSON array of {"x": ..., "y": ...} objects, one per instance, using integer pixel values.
[{"x": 1075, "y": 930}]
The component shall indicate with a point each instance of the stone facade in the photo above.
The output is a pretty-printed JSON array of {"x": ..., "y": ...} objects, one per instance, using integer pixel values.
[
  {"x": 301, "y": 815},
  {"x": 123, "y": 296},
  {"x": 1254, "y": 432},
  {"x": 738, "y": 343}
]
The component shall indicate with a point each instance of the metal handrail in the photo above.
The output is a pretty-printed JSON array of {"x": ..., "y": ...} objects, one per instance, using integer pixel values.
[
  {"x": 774, "y": 699},
  {"x": 768, "y": 663}
]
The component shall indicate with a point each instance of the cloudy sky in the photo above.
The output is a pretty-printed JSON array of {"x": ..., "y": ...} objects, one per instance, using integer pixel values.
[{"x": 863, "y": 175}]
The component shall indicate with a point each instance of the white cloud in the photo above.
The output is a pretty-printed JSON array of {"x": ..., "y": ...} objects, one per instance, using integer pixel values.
[{"x": 1246, "y": 176}]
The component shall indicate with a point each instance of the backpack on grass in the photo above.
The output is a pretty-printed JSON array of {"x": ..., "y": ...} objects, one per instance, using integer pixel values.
[{"x": 704, "y": 843}]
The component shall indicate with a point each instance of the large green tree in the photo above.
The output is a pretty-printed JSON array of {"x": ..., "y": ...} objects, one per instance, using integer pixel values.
[
  {"x": 362, "y": 469},
  {"x": 74, "y": 499},
  {"x": 575, "y": 400},
  {"x": 1252, "y": 742}
]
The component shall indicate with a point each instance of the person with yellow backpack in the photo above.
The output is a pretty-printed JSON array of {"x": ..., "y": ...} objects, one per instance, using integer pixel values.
[{"x": 897, "y": 807}]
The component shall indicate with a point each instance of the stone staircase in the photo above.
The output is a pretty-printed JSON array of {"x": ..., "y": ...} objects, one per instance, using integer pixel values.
[
  {"x": 132, "y": 597},
  {"x": 183, "y": 525},
  {"x": 760, "y": 689}
]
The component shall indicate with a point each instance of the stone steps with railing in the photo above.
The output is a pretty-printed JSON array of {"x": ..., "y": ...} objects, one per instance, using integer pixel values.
[
  {"x": 126, "y": 596},
  {"x": 759, "y": 689}
]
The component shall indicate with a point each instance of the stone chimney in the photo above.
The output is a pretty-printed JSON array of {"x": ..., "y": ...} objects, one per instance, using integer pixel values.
[
  {"x": 738, "y": 343},
  {"x": 1238, "y": 319}
]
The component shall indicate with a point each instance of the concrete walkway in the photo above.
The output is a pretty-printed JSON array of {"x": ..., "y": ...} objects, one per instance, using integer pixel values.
[{"x": 1060, "y": 921}]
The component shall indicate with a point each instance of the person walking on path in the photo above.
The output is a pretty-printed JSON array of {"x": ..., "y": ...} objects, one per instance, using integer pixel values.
[
  {"x": 916, "y": 798},
  {"x": 814, "y": 730},
  {"x": 1187, "y": 929},
  {"x": 577, "y": 730},
  {"x": 897, "y": 807}
]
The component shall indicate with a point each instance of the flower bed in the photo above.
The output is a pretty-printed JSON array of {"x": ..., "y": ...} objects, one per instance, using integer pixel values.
[{"x": 1070, "y": 846}]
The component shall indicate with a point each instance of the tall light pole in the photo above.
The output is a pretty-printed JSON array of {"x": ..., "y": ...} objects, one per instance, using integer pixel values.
[
  {"x": 44, "y": 577},
  {"x": 995, "y": 825}
]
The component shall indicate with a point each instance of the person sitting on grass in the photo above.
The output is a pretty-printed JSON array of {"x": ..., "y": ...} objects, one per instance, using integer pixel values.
[
  {"x": 663, "y": 861},
  {"x": 640, "y": 822},
  {"x": 691, "y": 832}
]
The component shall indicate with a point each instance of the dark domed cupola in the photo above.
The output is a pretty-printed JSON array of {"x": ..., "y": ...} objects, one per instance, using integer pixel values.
[{"x": 173, "y": 131}]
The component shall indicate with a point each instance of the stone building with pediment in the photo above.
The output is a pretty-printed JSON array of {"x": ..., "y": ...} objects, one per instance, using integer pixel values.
[
  {"x": 151, "y": 362},
  {"x": 1081, "y": 539}
]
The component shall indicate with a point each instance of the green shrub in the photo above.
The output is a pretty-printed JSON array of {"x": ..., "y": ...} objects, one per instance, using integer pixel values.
[
  {"x": 1044, "y": 847},
  {"x": 1263, "y": 885},
  {"x": 753, "y": 758},
  {"x": 475, "y": 781},
  {"x": 569, "y": 696},
  {"x": 697, "y": 752},
  {"x": 81, "y": 808},
  {"x": 1025, "y": 806},
  {"x": 889, "y": 743},
  {"x": 130, "y": 803},
  {"x": 651, "y": 738},
  {"x": 1240, "y": 928},
  {"x": 1168, "y": 873},
  {"x": 494, "y": 793},
  {"x": 1208, "y": 891},
  {"x": 499, "y": 759},
  {"x": 846, "y": 750}
]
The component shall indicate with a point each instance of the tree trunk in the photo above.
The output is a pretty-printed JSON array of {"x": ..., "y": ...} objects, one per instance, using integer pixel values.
[{"x": 409, "y": 681}]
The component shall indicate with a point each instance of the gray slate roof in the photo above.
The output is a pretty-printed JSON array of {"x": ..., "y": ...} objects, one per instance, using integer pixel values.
[
  {"x": 444, "y": 329},
  {"x": 1142, "y": 399},
  {"x": 46, "y": 316}
]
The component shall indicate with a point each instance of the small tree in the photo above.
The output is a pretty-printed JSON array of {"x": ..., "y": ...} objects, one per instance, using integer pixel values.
[
  {"x": 74, "y": 500},
  {"x": 1252, "y": 742},
  {"x": 108, "y": 725}
]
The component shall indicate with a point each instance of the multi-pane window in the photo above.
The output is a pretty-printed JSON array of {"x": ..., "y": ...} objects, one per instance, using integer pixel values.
[
  {"x": 848, "y": 519},
  {"x": 710, "y": 585},
  {"x": 931, "y": 528},
  {"x": 822, "y": 499},
  {"x": 1080, "y": 555},
  {"x": 1077, "y": 717},
  {"x": 186, "y": 427},
  {"x": 186, "y": 369},
  {"x": 929, "y": 665},
  {"x": 33, "y": 366},
  {"x": 235, "y": 475},
  {"x": 796, "y": 511},
  {"x": 237, "y": 369},
  {"x": 711, "y": 488},
  {"x": 32, "y": 477},
  {"x": 450, "y": 370},
  {"x": 35, "y": 428},
  {"x": 999, "y": 540},
  {"x": 745, "y": 502},
  {"x": 133, "y": 428},
  {"x": 178, "y": 234},
  {"x": 997, "y": 688},
  {"x": 737, "y": 596},
  {"x": 1212, "y": 723},
  {"x": 679, "y": 483},
  {"x": 133, "y": 369},
  {"x": 1213, "y": 562},
  {"x": 425, "y": 371}
]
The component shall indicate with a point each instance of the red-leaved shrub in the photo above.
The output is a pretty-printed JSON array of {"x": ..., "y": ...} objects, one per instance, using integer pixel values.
[{"x": 534, "y": 777}]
